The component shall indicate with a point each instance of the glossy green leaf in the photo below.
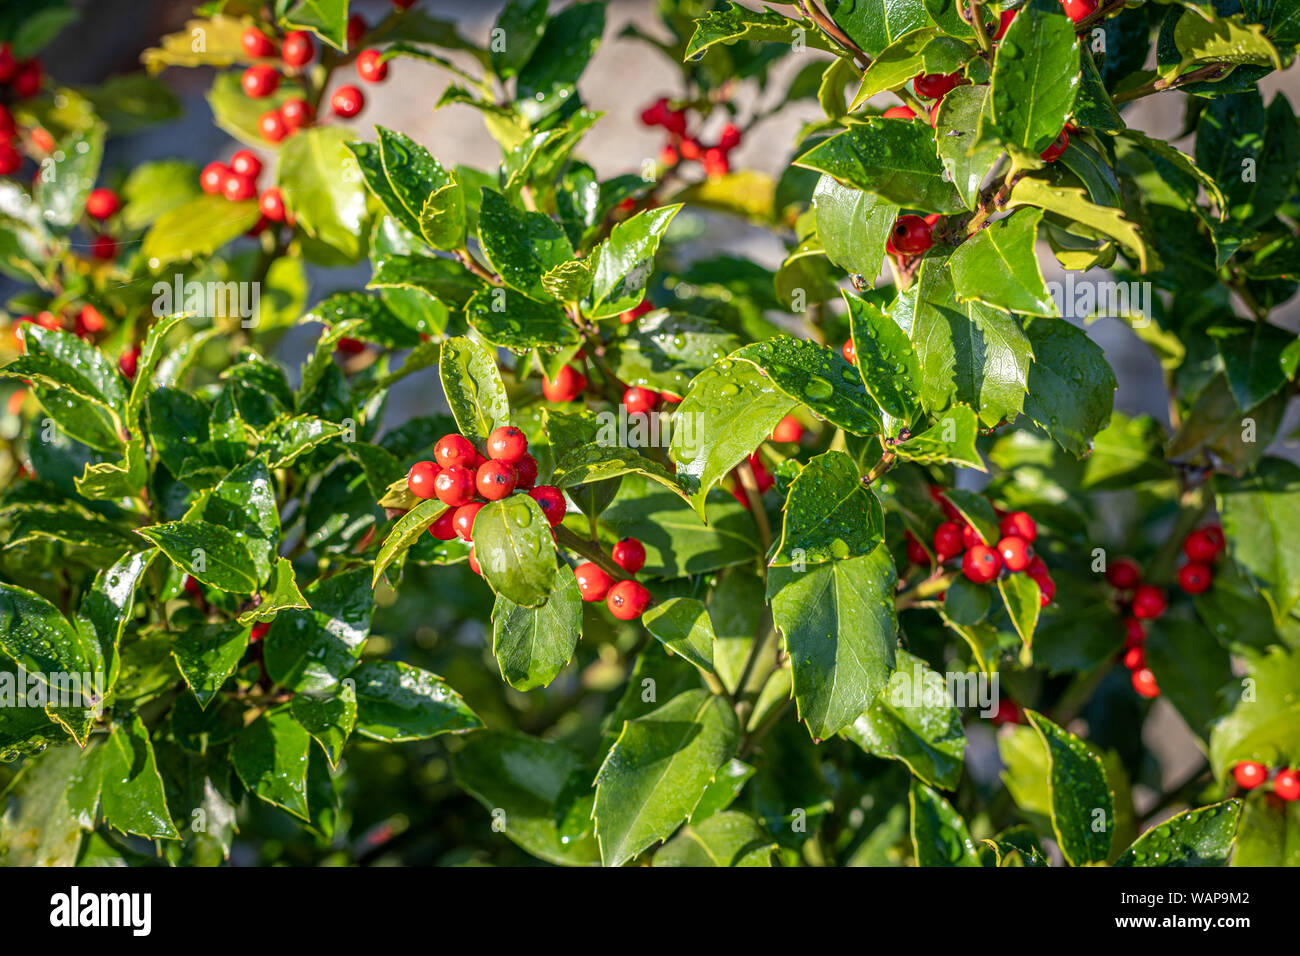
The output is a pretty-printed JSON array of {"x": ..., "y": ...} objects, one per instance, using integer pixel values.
[
  {"x": 997, "y": 266},
  {"x": 211, "y": 553},
  {"x": 1035, "y": 76},
  {"x": 474, "y": 389},
  {"x": 737, "y": 23},
  {"x": 724, "y": 839},
  {"x": 853, "y": 225},
  {"x": 1200, "y": 837},
  {"x": 328, "y": 206},
  {"x": 1023, "y": 600},
  {"x": 207, "y": 655},
  {"x": 939, "y": 834},
  {"x": 514, "y": 547},
  {"x": 311, "y": 650},
  {"x": 625, "y": 261},
  {"x": 684, "y": 625},
  {"x": 885, "y": 358},
  {"x": 816, "y": 376},
  {"x": 1083, "y": 812},
  {"x": 270, "y": 756},
  {"x": 966, "y": 157},
  {"x": 533, "y": 644},
  {"x": 1264, "y": 722},
  {"x": 829, "y": 514},
  {"x": 330, "y": 719},
  {"x": 396, "y": 701},
  {"x": 950, "y": 440},
  {"x": 1260, "y": 521},
  {"x": 549, "y": 79},
  {"x": 912, "y": 54},
  {"x": 1071, "y": 385}
]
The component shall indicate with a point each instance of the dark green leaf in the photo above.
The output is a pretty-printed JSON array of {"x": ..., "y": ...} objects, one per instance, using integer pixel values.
[
  {"x": 532, "y": 645},
  {"x": 398, "y": 702}
]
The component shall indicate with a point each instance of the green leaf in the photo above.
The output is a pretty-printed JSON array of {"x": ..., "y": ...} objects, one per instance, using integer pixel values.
[
  {"x": 244, "y": 502},
  {"x": 1255, "y": 360},
  {"x": 625, "y": 261},
  {"x": 966, "y": 603},
  {"x": 107, "y": 605},
  {"x": 829, "y": 514},
  {"x": 997, "y": 266},
  {"x": 1083, "y": 811},
  {"x": 311, "y": 650},
  {"x": 915, "y": 720},
  {"x": 658, "y": 770},
  {"x": 1073, "y": 204},
  {"x": 330, "y": 719},
  {"x": 885, "y": 359},
  {"x": 523, "y": 777},
  {"x": 683, "y": 624},
  {"x": 1264, "y": 723},
  {"x": 521, "y": 24},
  {"x": 67, "y": 178},
  {"x": 211, "y": 553},
  {"x": 437, "y": 277},
  {"x": 515, "y": 549},
  {"x": 270, "y": 756},
  {"x": 839, "y": 627},
  {"x": 968, "y": 352},
  {"x": 920, "y": 51},
  {"x": 39, "y": 827},
  {"x": 1190, "y": 667},
  {"x": 549, "y": 80},
  {"x": 939, "y": 834},
  {"x": 197, "y": 228},
  {"x": 406, "y": 531},
  {"x": 737, "y": 23},
  {"x": 1269, "y": 832},
  {"x": 666, "y": 350},
  {"x": 521, "y": 246},
  {"x": 328, "y": 19},
  {"x": 1023, "y": 601},
  {"x": 397, "y": 702},
  {"x": 853, "y": 225},
  {"x": 290, "y": 438},
  {"x": 1200, "y": 837},
  {"x": 474, "y": 389},
  {"x": 532, "y": 645},
  {"x": 966, "y": 157},
  {"x": 1035, "y": 76},
  {"x": 1071, "y": 409},
  {"x": 327, "y": 205},
  {"x": 816, "y": 376},
  {"x": 951, "y": 440},
  {"x": 125, "y": 773},
  {"x": 895, "y": 161},
  {"x": 587, "y": 451},
  {"x": 723, "y": 839},
  {"x": 280, "y": 594},
  {"x": 414, "y": 187},
  {"x": 1260, "y": 518},
  {"x": 36, "y": 637},
  {"x": 514, "y": 321},
  {"x": 66, "y": 365},
  {"x": 730, "y": 410},
  {"x": 208, "y": 654},
  {"x": 1221, "y": 40}
]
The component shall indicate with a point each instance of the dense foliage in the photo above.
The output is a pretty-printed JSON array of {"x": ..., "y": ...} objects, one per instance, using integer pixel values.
[{"x": 831, "y": 527}]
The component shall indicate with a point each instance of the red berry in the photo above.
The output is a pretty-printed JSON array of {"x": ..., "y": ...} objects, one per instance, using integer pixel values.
[
  {"x": 238, "y": 188},
  {"x": 638, "y": 400},
  {"x": 1004, "y": 21},
  {"x": 1216, "y": 535},
  {"x": 715, "y": 163},
  {"x": 1008, "y": 713},
  {"x": 850, "y": 352},
  {"x": 10, "y": 159},
  {"x": 463, "y": 519},
  {"x": 27, "y": 82},
  {"x": 526, "y": 470},
  {"x": 104, "y": 248},
  {"x": 454, "y": 486},
  {"x": 213, "y": 178},
  {"x": 454, "y": 450},
  {"x": 1148, "y": 602},
  {"x": 568, "y": 385},
  {"x": 473, "y": 563},
  {"x": 1078, "y": 10},
  {"x": 128, "y": 362},
  {"x": 507, "y": 444},
  {"x": 631, "y": 315},
  {"x": 297, "y": 48},
  {"x": 259, "y": 81},
  {"x": 42, "y": 139},
  {"x": 1199, "y": 546},
  {"x": 981, "y": 564},
  {"x": 1015, "y": 553},
  {"x": 356, "y": 29},
  {"x": 933, "y": 86},
  {"x": 271, "y": 204},
  {"x": 675, "y": 122},
  {"x": 371, "y": 66},
  {"x": 899, "y": 112},
  {"x": 258, "y": 632},
  {"x": 349, "y": 346},
  {"x": 947, "y": 541},
  {"x": 89, "y": 320},
  {"x": 551, "y": 500},
  {"x": 1194, "y": 578},
  {"x": 1135, "y": 632},
  {"x": 347, "y": 101},
  {"x": 1144, "y": 682},
  {"x": 246, "y": 163},
  {"x": 762, "y": 477},
  {"x": 626, "y": 600},
  {"x": 256, "y": 43},
  {"x": 729, "y": 138},
  {"x": 787, "y": 429},
  {"x": 593, "y": 583},
  {"x": 8, "y": 65},
  {"x": 655, "y": 113},
  {"x": 192, "y": 587},
  {"x": 629, "y": 554},
  {"x": 495, "y": 480},
  {"x": 296, "y": 113},
  {"x": 421, "y": 477},
  {"x": 934, "y": 113},
  {"x": 1287, "y": 785},
  {"x": 403, "y": 4},
  {"x": 1249, "y": 774},
  {"x": 1019, "y": 523},
  {"x": 969, "y": 536},
  {"x": 48, "y": 320},
  {"x": 1056, "y": 148},
  {"x": 910, "y": 235},
  {"x": 1124, "y": 574},
  {"x": 272, "y": 126},
  {"x": 1135, "y": 658},
  {"x": 444, "y": 528},
  {"x": 102, "y": 203},
  {"x": 916, "y": 552}
]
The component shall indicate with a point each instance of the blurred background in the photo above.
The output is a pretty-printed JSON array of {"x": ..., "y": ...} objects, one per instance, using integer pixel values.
[{"x": 625, "y": 76}]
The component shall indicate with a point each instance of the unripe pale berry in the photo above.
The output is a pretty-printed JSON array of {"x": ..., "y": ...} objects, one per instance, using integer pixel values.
[{"x": 629, "y": 554}]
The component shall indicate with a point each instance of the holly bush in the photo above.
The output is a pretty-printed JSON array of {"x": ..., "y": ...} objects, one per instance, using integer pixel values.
[{"x": 685, "y": 559}]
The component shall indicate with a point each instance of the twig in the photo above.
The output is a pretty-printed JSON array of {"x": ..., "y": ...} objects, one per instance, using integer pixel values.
[
  {"x": 827, "y": 26},
  {"x": 1210, "y": 72},
  {"x": 590, "y": 550},
  {"x": 750, "y": 485}
]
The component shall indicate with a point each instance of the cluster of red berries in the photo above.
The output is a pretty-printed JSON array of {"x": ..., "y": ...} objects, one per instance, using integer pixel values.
[
  {"x": 1146, "y": 602},
  {"x": 716, "y": 160},
  {"x": 238, "y": 183},
  {"x": 1250, "y": 774},
  {"x": 626, "y": 599},
  {"x": 85, "y": 324},
  {"x": 1201, "y": 547},
  {"x": 980, "y": 563},
  {"x": 465, "y": 480},
  {"x": 23, "y": 78}
]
